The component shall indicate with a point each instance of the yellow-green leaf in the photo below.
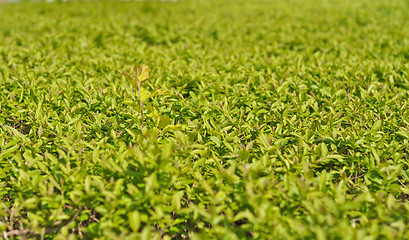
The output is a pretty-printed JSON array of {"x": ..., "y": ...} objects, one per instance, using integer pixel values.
[
  {"x": 145, "y": 94},
  {"x": 134, "y": 220},
  {"x": 143, "y": 73}
]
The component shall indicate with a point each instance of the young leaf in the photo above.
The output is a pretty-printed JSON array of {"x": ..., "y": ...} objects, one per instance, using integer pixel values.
[
  {"x": 143, "y": 73},
  {"x": 134, "y": 220},
  {"x": 144, "y": 94}
]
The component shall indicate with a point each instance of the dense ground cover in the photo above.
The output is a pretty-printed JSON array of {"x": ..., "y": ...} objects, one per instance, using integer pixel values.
[{"x": 264, "y": 119}]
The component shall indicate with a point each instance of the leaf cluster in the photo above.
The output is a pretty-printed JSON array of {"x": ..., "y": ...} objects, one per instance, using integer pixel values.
[{"x": 262, "y": 120}]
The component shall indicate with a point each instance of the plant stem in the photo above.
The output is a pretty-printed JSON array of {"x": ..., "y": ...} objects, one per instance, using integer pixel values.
[{"x": 140, "y": 102}]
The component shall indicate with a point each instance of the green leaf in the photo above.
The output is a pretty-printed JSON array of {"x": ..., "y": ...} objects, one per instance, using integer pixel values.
[
  {"x": 143, "y": 73},
  {"x": 374, "y": 128},
  {"x": 164, "y": 121},
  {"x": 403, "y": 132},
  {"x": 134, "y": 220},
  {"x": 176, "y": 200},
  {"x": 145, "y": 94},
  {"x": 215, "y": 140},
  {"x": 9, "y": 151}
]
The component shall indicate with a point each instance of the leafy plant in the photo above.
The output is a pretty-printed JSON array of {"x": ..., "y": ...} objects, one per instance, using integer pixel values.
[
  {"x": 141, "y": 74},
  {"x": 264, "y": 120}
]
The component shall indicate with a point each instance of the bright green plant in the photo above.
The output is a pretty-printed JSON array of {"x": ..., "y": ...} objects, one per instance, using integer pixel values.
[
  {"x": 267, "y": 120},
  {"x": 140, "y": 75}
]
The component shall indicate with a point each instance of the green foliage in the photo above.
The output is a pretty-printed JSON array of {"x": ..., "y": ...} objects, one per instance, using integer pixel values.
[
  {"x": 141, "y": 74},
  {"x": 262, "y": 119}
]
